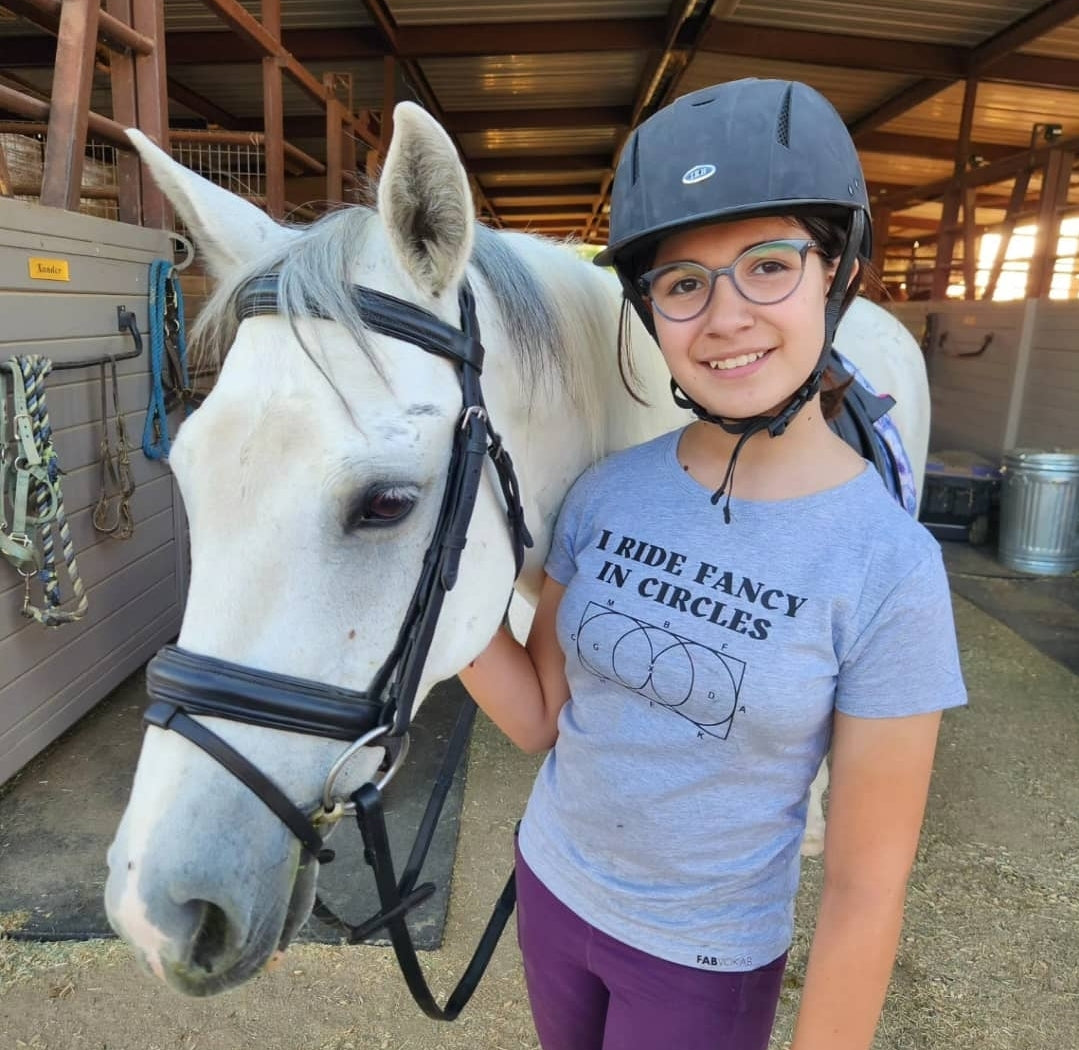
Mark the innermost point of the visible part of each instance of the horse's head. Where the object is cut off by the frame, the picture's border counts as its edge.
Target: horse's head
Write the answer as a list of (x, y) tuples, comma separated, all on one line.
[(313, 478)]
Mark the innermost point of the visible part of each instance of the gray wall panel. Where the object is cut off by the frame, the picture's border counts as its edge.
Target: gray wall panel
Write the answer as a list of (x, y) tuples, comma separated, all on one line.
[(48, 678), (31, 645), (1051, 399)]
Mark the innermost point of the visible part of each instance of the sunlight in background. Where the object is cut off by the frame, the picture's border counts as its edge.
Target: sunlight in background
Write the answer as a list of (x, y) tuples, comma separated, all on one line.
[(1012, 283)]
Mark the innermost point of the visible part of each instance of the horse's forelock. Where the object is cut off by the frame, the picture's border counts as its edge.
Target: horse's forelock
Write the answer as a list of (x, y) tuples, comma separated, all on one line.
[(315, 267)]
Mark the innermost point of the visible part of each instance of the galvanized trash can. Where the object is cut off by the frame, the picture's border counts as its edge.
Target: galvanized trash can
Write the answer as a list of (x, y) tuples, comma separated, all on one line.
[(1039, 511)]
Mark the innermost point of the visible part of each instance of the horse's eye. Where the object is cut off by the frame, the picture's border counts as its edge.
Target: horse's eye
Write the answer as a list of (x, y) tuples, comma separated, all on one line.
[(381, 505)]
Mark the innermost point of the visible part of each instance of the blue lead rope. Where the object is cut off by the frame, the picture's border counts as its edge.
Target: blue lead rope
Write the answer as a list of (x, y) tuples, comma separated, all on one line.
[(163, 284)]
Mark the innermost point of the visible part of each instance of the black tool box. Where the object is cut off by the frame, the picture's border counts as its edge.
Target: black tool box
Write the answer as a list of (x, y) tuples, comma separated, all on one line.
[(961, 497)]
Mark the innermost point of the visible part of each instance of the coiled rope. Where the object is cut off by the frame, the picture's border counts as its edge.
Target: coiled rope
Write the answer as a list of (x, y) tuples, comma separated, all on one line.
[(169, 378), (42, 488)]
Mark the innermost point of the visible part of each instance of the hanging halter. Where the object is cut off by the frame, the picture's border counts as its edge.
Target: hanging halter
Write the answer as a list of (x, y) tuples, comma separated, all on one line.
[(37, 502), (170, 380), (112, 512)]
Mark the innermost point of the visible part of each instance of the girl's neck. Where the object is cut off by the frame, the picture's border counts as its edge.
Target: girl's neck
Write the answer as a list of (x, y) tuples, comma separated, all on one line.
[(807, 458)]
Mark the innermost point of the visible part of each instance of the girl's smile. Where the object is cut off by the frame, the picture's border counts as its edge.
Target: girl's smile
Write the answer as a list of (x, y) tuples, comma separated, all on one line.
[(739, 358)]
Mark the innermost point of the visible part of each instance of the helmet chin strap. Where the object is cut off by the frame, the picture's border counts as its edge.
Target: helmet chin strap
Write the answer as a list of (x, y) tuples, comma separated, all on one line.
[(775, 425)]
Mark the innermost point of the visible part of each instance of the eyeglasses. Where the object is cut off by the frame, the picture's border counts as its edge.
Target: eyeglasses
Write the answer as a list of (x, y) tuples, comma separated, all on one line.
[(764, 274)]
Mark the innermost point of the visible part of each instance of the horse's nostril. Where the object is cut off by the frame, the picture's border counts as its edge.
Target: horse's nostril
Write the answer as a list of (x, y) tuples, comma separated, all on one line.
[(210, 942)]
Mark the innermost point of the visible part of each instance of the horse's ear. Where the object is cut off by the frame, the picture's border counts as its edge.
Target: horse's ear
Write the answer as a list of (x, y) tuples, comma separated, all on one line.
[(229, 230), (425, 202)]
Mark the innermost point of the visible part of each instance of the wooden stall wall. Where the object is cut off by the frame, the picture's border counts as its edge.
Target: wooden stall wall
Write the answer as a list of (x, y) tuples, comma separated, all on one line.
[(1050, 401), (136, 587), (974, 355)]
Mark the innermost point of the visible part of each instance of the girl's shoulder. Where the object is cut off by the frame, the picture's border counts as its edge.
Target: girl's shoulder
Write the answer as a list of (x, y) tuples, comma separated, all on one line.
[(648, 456)]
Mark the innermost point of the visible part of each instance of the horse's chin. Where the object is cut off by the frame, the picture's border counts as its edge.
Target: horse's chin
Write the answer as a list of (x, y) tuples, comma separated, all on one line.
[(300, 903), (258, 954)]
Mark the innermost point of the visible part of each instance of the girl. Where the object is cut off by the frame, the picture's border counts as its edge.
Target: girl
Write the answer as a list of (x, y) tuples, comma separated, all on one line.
[(702, 638)]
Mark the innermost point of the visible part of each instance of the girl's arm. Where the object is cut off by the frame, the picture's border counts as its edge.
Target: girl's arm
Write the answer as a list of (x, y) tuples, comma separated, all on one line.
[(522, 688), (880, 779)]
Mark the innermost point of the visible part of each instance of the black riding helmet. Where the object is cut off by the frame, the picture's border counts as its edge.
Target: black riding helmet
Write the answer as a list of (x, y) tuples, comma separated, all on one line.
[(738, 150)]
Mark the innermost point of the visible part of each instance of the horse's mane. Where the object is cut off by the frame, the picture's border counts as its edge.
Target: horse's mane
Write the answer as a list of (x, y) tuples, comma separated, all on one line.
[(314, 266)]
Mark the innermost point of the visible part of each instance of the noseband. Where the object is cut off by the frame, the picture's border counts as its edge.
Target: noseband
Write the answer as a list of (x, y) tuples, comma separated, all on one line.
[(182, 683)]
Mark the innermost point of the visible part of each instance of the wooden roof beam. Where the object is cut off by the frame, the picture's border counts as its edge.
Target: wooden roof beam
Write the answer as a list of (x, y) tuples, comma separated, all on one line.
[(464, 121), (251, 30), (570, 165), (682, 28), (938, 61), (503, 197), (203, 107), (1045, 19), (927, 146), (529, 38), (390, 32), (1049, 16), (931, 61), (899, 103), (580, 217), (999, 171), (110, 30)]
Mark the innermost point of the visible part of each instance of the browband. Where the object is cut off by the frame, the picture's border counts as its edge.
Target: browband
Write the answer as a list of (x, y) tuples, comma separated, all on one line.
[(381, 312)]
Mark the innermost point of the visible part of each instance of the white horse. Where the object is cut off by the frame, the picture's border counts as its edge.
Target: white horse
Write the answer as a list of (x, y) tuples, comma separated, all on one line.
[(312, 478)]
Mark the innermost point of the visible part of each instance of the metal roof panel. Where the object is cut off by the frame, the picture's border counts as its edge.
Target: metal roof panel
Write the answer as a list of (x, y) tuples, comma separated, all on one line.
[(194, 15), (437, 12), (539, 142), (1004, 113), (961, 22), (606, 78), (851, 91), (1060, 43)]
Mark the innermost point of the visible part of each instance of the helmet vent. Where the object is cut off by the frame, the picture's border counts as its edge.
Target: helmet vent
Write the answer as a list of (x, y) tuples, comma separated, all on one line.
[(634, 157), (783, 123)]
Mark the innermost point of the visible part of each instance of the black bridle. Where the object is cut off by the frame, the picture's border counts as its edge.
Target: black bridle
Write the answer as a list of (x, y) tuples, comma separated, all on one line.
[(183, 683)]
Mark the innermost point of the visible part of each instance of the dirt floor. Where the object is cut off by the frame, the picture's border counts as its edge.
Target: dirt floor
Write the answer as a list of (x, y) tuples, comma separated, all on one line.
[(989, 956)]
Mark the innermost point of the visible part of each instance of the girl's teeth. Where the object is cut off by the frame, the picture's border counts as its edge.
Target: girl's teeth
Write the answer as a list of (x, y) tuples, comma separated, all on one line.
[(736, 362)]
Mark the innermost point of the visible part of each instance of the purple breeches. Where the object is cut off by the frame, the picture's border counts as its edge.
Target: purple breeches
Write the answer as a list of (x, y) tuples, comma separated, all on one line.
[(589, 991)]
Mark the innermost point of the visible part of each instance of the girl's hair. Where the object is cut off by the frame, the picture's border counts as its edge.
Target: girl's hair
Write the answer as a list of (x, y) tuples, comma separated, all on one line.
[(829, 230)]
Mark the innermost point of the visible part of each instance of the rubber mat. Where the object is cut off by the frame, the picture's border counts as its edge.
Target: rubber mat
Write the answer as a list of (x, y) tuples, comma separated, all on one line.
[(59, 814)]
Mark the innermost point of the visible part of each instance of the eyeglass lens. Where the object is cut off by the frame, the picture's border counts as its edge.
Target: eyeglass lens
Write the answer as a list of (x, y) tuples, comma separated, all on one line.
[(763, 274)]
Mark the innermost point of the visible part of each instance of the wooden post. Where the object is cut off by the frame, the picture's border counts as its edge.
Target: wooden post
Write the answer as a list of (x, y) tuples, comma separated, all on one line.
[(69, 110), (882, 218), (5, 175), (1054, 189), (942, 268), (125, 111), (942, 271), (348, 133), (389, 99), (376, 157), (1015, 206), (335, 140), (273, 115), (152, 104), (970, 242)]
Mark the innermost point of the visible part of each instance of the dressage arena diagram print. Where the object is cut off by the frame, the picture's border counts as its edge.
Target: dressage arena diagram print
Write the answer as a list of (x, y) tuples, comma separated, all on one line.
[(692, 680)]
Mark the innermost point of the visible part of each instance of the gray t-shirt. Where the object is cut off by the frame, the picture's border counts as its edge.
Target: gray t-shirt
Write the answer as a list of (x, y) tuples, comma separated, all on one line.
[(704, 662)]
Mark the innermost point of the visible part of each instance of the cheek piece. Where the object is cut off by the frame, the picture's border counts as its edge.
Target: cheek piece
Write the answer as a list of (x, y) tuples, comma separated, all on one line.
[(777, 424)]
